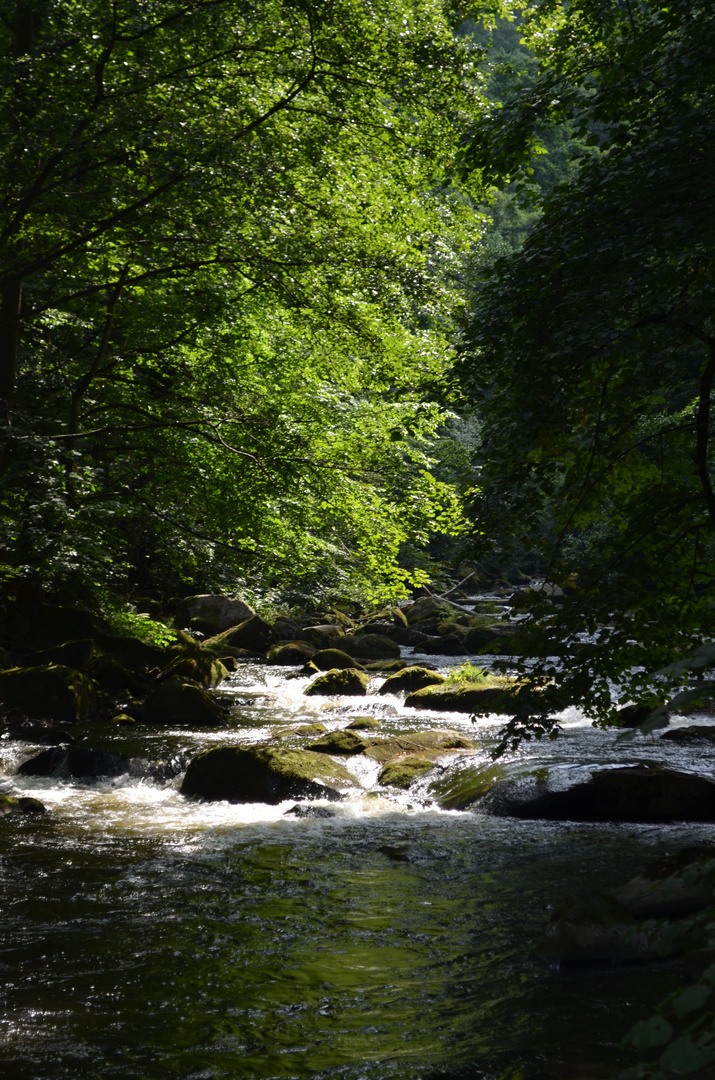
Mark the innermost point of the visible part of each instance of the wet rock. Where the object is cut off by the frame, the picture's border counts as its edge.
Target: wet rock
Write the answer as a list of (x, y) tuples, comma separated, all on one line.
[(328, 659), (177, 702), (55, 691), (254, 634), (264, 774), (386, 667), (597, 927), (411, 679), (44, 735), (287, 628), (291, 652), (123, 720), (461, 697), (348, 682), (339, 742), (661, 892), (312, 635), (403, 772), (198, 666), (211, 614), (370, 647), (692, 733), (632, 793), (301, 729), (363, 723), (310, 811), (12, 806), (75, 762), (449, 645), (427, 607), (384, 750), (461, 786)]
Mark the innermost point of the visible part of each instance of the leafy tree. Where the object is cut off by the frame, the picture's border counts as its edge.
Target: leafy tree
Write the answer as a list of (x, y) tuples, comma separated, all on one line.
[(591, 357), (219, 303)]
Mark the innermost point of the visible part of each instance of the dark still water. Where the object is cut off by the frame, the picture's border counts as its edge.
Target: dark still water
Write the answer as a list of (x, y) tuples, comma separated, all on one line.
[(147, 937)]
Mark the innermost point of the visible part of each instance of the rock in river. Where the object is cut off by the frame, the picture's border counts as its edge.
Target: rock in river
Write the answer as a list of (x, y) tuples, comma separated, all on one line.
[(411, 679), (177, 702), (65, 762), (464, 697), (346, 681), (265, 774)]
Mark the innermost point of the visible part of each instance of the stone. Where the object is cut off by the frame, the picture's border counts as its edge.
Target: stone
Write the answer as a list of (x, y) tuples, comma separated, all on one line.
[(75, 761), (212, 613), (12, 806), (61, 693), (348, 682), (461, 697), (264, 774), (177, 702), (40, 734), (136, 655), (630, 793), (383, 750), (254, 634), (370, 647), (290, 652), (339, 742), (462, 785), (197, 666), (287, 628), (427, 607), (310, 811), (498, 637), (597, 928), (449, 645), (301, 729), (692, 733), (114, 678), (660, 892), (405, 770), (410, 679), (123, 720), (328, 659), (363, 723)]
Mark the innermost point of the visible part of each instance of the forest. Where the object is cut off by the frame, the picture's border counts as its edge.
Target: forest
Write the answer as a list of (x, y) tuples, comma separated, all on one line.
[(374, 319)]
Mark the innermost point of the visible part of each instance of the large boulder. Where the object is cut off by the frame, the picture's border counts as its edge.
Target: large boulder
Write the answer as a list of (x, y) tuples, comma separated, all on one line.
[(291, 652), (383, 750), (211, 613), (15, 806), (198, 666), (449, 645), (426, 608), (690, 734), (327, 659), (348, 682), (177, 702), (339, 743), (54, 691), (264, 774), (461, 697), (632, 793), (403, 772), (369, 647), (254, 634), (65, 762), (411, 679)]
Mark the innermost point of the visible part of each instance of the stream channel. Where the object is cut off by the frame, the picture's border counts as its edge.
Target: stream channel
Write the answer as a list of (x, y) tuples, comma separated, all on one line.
[(150, 937)]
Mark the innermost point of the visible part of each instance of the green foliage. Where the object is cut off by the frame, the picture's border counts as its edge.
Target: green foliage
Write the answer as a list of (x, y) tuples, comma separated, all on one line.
[(468, 673), (230, 238), (591, 357)]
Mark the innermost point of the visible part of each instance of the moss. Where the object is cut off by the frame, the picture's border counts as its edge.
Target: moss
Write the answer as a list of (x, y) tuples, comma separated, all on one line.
[(466, 698), (339, 742), (11, 806), (461, 787), (345, 681), (328, 659), (290, 652), (403, 772), (410, 679), (264, 774), (363, 723), (385, 749)]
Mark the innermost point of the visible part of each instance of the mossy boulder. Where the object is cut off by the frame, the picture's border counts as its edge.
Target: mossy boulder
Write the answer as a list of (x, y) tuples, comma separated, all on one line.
[(197, 666), (461, 697), (254, 634), (428, 607), (53, 690), (177, 702), (300, 729), (77, 761), (363, 723), (329, 659), (348, 682), (405, 770), (113, 677), (449, 645), (212, 613), (692, 733), (370, 647), (339, 742), (461, 786), (264, 774), (291, 652), (410, 679), (439, 740), (15, 806)]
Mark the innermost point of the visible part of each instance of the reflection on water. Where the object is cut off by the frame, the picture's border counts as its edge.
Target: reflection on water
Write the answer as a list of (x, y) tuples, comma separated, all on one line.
[(146, 936)]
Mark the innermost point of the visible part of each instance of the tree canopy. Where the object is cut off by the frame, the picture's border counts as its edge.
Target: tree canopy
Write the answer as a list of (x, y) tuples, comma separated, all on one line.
[(225, 249), (590, 354)]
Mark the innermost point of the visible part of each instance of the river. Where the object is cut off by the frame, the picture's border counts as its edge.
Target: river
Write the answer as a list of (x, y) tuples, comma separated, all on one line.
[(149, 937)]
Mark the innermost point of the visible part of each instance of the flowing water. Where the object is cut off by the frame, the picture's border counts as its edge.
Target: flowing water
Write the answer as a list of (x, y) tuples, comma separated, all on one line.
[(146, 936)]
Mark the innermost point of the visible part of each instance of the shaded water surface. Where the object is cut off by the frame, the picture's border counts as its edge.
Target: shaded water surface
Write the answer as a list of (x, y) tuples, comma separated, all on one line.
[(146, 936)]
